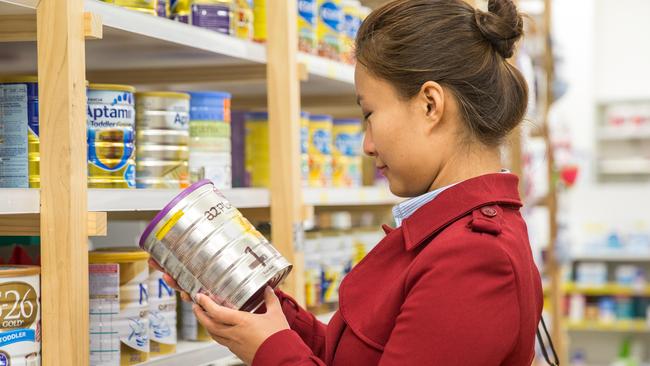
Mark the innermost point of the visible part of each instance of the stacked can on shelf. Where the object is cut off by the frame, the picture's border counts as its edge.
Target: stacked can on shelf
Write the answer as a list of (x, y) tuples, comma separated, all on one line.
[(346, 153), (111, 136), (119, 309), (162, 8), (259, 21), (162, 315), (243, 19), (352, 18), (20, 320), (210, 148), (163, 138), (19, 141), (307, 14), (328, 28), (215, 15), (257, 149), (320, 150), (304, 148)]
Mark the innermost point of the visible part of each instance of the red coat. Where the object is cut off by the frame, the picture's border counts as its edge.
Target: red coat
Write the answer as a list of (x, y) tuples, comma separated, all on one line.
[(455, 285)]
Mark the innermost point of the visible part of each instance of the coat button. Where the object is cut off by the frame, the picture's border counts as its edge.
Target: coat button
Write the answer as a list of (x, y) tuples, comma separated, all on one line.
[(489, 211)]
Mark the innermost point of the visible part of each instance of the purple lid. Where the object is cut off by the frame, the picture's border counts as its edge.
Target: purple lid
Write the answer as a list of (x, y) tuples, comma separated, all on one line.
[(347, 121), (320, 118), (168, 208)]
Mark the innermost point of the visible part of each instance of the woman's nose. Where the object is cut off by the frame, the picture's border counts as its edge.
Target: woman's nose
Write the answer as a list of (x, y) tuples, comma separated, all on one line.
[(369, 144)]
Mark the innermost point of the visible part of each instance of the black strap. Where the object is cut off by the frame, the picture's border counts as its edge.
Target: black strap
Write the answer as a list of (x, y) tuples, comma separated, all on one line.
[(543, 346)]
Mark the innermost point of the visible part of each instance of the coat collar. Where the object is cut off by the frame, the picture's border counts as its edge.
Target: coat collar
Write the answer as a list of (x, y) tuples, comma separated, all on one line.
[(458, 201)]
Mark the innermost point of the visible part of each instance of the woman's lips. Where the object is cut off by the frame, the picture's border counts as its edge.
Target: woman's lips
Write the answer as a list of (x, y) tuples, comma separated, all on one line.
[(382, 169)]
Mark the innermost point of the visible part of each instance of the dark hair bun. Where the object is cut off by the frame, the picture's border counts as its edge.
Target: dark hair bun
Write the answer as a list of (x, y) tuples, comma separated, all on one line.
[(502, 25)]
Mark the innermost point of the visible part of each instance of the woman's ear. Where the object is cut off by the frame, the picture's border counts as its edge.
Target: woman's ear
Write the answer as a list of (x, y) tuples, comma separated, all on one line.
[(432, 98)]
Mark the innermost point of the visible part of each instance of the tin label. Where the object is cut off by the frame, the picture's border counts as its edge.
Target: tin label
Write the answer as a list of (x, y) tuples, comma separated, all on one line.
[(20, 333), (307, 25), (14, 119), (213, 17), (215, 167), (162, 310), (104, 312)]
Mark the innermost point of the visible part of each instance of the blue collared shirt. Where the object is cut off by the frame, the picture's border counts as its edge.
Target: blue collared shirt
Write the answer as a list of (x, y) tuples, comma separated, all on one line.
[(408, 207)]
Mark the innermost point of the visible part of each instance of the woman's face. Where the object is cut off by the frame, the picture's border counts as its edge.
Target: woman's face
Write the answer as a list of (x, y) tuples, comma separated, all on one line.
[(408, 139)]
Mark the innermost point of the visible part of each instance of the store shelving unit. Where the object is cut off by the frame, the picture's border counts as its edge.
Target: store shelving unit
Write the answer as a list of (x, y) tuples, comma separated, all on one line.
[(191, 353), (623, 326), (70, 41), (609, 289)]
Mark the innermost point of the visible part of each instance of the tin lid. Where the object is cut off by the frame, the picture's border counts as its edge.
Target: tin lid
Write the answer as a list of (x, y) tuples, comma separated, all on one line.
[(18, 270), (169, 206), (320, 118), (304, 114), (163, 94), (118, 87), (117, 255), (19, 79), (347, 121)]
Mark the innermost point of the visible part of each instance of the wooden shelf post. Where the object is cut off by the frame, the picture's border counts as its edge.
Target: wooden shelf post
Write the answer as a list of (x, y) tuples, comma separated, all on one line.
[(64, 216), (284, 127)]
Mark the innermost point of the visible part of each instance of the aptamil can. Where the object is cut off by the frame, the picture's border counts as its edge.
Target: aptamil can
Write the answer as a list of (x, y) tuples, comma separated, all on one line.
[(119, 307), (19, 143), (162, 150), (257, 149), (307, 14), (162, 315), (259, 21), (111, 119), (328, 31), (351, 24), (346, 153), (208, 247), (304, 148), (145, 6), (20, 319), (210, 106), (320, 150)]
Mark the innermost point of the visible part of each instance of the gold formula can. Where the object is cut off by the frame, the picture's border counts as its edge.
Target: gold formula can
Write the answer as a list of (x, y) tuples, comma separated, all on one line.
[(119, 307), (111, 121), (20, 319)]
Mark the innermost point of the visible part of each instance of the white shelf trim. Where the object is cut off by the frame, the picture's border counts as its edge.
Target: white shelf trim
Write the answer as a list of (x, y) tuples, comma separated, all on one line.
[(191, 353), (327, 68)]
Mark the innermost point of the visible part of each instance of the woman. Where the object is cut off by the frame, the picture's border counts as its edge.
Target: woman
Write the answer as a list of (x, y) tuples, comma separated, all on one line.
[(454, 283)]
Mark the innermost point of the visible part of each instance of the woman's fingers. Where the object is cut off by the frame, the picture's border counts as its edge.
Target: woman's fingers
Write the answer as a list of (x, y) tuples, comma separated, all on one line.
[(155, 265), (185, 296), (213, 327), (220, 314), (171, 282), (271, 301)]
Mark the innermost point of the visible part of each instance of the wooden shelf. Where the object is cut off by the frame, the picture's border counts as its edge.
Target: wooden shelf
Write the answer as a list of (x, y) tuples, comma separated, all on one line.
[(610, 289), (191, 353), (632, 326)]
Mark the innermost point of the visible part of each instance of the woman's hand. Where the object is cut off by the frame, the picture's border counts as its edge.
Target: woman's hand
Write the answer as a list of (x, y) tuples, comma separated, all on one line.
[(242, 332), (170, 281)]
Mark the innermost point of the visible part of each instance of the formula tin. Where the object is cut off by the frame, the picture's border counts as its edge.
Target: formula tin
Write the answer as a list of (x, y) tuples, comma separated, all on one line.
[(208, 247), (147, 119), (19, 141), (328, 28), (257, 149), (162, 315), (163, 101), (307, 15), (164, 137), (351, 24), (320, 150), (144, 6), (209, 129), (176, 172), (20, 319), (243, 19), (211, 106), (259, 21), (215, 15), (191, 329), (217, 145), (162, 152), (162, 8), (111, 118), (304, 148), (119, 307), (214, 166), (346, 153)]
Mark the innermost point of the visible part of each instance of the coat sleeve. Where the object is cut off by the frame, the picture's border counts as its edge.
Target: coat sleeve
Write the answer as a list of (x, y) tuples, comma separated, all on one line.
[(461, 313), (302, 345)]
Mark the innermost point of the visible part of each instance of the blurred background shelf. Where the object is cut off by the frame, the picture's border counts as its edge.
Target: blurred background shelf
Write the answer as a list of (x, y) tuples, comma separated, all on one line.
[(192, 353), (632, 326)]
